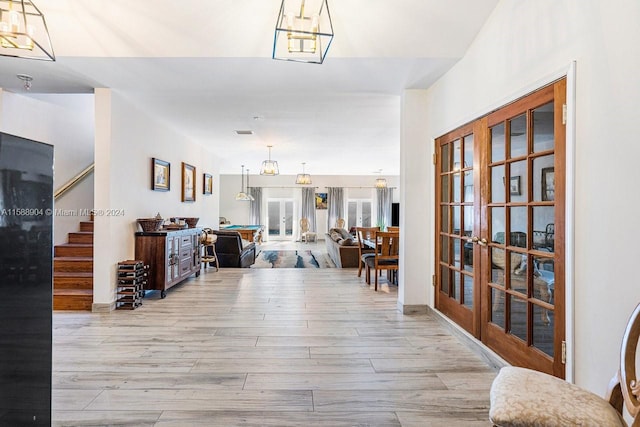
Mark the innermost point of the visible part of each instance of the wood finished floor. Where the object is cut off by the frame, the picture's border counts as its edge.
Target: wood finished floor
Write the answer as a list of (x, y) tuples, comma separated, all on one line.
[(266, 347)]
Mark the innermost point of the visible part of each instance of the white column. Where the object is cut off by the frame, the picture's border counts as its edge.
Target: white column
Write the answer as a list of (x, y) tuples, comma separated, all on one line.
[(103, 273), (416, 205)]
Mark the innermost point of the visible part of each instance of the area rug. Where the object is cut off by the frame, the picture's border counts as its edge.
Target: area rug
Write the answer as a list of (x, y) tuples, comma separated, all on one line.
[(293, 259)]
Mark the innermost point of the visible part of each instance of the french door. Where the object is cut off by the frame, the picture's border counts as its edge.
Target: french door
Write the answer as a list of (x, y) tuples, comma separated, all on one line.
[(280, 219), (500, 226), (359, 212)]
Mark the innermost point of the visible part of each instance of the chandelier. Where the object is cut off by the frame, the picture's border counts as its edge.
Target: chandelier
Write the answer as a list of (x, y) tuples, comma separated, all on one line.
[(269, 167), (381, 183), (303, 31), (23, 31), (303, 178)]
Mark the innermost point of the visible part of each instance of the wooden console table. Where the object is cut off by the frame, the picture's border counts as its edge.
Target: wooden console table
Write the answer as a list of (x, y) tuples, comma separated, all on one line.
[(172, 256)]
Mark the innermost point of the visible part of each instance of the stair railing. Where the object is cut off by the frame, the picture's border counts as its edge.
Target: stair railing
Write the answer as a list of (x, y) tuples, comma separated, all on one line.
[(74, 181)]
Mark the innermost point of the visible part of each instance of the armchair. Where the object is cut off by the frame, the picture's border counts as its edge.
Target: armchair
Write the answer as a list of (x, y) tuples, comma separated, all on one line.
[(232, 251)]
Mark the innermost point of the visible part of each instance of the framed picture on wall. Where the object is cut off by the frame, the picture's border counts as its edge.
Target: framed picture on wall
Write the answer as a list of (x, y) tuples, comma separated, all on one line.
[(514, 186), (188, 182), (548, 184), (160, 175), (321, 200), (207, 184)]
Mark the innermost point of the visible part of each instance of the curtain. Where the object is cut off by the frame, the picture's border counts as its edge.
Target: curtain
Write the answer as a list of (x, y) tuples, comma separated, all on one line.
[(384, 200), (335, 205), (309, 206), (255, 206)]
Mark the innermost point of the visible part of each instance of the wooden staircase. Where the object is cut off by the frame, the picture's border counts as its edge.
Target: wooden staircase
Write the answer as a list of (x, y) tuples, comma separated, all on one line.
[(73, 271)]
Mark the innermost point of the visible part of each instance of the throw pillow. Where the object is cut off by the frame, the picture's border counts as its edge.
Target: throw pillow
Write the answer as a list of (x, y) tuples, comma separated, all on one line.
[(335, 236)]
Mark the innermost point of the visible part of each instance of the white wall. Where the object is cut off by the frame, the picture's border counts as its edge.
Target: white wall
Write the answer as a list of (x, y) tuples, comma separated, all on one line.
[(238, 212), (126, 141), (523, 44), (67, 123)]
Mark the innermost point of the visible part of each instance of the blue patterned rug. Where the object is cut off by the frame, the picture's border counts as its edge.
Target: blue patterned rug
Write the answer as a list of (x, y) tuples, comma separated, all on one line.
[(293, 259)]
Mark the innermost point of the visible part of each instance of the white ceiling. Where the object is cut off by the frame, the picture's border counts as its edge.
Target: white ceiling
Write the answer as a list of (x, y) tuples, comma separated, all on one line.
[(204, 67)]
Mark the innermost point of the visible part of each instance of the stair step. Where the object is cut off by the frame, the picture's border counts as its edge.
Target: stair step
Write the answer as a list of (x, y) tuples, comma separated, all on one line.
[(72, 299), (86, 226), (72, 280), (78, 264), (73, 250), (81, 237)]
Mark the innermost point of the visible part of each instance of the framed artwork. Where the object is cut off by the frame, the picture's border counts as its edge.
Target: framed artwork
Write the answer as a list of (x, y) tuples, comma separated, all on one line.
[(321, 200), (514, 186), (160, 175), (548, 184), (188, 182), (207, 184)]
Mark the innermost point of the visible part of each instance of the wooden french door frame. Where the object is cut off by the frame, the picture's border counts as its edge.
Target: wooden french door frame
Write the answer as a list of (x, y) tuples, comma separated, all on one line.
[(518, 350)]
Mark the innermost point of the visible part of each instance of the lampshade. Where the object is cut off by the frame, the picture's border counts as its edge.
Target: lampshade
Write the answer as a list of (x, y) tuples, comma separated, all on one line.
[(23, 31), (269, 167), (242, 196), (381, 183), (303, 178), (303, 31)]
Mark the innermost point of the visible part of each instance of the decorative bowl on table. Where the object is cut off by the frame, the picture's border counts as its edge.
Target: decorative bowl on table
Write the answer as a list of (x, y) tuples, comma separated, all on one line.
[(150, 224), (191, 222)]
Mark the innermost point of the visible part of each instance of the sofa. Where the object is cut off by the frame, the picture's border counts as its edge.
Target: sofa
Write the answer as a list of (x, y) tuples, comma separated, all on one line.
[(232, 251), (342, 248)]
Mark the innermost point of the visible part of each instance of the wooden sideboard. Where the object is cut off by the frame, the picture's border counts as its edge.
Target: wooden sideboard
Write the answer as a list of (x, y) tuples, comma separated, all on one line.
[(172, 256)]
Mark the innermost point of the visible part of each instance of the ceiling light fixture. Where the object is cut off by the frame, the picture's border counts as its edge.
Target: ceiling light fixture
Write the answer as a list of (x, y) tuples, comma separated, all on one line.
[(251, 198), (381, 182), (303, 31), (26, 79), (242, 196), (303, 178), (269, 167), (23, 31)]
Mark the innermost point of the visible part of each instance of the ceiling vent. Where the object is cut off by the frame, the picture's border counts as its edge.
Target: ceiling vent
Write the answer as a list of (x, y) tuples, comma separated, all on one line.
[(244, 132)]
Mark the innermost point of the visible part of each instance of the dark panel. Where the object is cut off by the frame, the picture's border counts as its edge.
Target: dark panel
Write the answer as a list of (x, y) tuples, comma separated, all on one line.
[(26, 203), (395, 214)]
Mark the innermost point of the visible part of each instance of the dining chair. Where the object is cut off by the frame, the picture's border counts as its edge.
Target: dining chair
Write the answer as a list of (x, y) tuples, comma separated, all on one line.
[(364, 251), (305, 234), (393, 228), (524, 397), (386, 257)]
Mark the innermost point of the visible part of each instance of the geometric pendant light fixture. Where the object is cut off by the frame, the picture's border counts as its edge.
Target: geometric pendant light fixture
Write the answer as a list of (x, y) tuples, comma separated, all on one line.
[(269, 167), (381, 182), (303, 178), (251, 198), (304, 31), (23, 31)]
